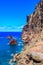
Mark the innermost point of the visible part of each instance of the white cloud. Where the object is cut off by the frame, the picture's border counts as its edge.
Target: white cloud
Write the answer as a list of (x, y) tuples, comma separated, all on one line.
[(11, 28), (2, 27)]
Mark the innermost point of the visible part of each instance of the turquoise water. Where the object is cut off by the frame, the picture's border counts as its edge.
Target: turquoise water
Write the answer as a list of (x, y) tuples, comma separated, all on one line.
[(7, 51)]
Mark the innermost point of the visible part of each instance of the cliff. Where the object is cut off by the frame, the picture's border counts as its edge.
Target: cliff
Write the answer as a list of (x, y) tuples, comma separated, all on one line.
[(34, 23), (32, 36)]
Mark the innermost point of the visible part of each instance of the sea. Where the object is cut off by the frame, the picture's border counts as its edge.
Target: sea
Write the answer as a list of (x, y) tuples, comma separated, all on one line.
[(8, 51)]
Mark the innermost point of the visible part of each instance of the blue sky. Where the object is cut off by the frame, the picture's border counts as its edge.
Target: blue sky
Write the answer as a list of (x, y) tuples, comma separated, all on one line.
[(13, 13)]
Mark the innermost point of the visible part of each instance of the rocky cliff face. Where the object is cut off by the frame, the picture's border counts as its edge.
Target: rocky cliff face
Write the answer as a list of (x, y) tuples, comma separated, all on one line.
[(34, 23), (33, 35)]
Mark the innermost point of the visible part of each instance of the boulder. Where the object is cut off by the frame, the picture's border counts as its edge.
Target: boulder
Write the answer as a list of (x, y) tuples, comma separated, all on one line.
[(37, 56)]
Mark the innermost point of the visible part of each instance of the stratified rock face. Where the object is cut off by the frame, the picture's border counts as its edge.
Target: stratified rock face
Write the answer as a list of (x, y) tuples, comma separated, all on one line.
[(34, 23), (32, 34)]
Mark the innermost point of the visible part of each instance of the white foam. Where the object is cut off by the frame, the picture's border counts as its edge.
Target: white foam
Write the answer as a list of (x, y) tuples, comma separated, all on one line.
[(12, 54), (19, 44)]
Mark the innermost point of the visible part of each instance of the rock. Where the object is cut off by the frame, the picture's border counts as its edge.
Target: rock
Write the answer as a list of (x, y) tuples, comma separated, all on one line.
[(25, 37), (16, 57), (37, 56), (38, 47), (33, 52), (30, 63), (13, 42), (32, 35), (34, 23)]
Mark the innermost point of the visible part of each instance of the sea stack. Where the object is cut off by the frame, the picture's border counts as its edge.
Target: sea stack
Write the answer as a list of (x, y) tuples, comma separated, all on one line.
[(12, 40)]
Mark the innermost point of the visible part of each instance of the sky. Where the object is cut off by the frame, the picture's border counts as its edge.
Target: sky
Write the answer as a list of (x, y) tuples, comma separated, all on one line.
[(13, 14)]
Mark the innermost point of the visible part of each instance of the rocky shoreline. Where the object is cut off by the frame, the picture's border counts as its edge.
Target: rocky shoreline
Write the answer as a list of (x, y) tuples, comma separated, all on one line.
[(32, 54), (32, 36)]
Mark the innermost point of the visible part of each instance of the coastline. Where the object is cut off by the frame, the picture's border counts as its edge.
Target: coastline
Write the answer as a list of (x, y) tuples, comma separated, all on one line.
[(32, 36), (31, 54)]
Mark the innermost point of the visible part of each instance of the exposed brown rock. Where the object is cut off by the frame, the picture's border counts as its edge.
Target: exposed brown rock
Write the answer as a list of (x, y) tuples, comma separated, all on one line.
[(33, 36), (34, 22), (13, 42), (37, 56), (32, 53)]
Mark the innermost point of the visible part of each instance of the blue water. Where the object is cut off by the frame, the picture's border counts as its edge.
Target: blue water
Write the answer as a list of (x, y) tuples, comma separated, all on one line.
[(7, 51)]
